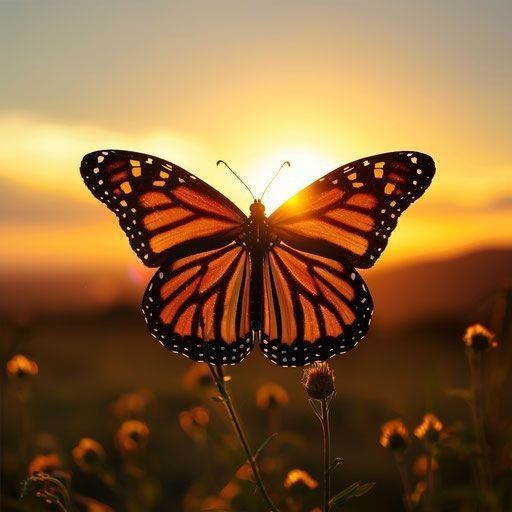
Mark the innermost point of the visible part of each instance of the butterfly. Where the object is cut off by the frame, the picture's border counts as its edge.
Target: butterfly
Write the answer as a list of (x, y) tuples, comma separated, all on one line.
[(227, 280)]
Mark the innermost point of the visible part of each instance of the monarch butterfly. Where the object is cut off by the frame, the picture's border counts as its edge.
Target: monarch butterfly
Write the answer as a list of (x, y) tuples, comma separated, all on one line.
[(288, 281)]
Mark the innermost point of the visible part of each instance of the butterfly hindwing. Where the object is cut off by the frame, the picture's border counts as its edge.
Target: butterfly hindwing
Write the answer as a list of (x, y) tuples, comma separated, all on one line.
[(198, 305), (350, 212), (313, 307), (164, 210)]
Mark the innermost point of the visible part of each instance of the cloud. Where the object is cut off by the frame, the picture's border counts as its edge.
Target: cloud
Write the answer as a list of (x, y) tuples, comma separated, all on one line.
[(500, 204), (22, 205), (45, 154)]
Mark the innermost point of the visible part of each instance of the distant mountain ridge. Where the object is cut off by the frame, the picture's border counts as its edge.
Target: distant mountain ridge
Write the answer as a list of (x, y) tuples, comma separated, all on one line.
[(444, 287), (405, 293)]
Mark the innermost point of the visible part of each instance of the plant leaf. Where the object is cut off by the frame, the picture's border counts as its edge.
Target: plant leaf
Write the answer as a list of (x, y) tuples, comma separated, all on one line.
[(352, 491)]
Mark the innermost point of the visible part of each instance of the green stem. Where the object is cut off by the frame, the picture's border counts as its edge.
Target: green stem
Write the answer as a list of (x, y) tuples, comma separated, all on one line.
[(218, 376), (324, 419)]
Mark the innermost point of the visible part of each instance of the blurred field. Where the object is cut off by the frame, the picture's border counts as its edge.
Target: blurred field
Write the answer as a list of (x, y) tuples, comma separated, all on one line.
[(86, 361)]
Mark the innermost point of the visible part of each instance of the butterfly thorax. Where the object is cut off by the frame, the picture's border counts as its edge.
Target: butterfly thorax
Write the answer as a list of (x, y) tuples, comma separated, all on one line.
[(256, 236)]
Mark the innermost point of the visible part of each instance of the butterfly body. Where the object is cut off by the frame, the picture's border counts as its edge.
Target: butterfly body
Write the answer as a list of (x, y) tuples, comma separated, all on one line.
[(226, 280), (257, 238)]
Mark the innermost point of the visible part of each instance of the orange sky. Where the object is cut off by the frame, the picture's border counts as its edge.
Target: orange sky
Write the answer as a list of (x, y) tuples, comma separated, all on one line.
[(316, 83)]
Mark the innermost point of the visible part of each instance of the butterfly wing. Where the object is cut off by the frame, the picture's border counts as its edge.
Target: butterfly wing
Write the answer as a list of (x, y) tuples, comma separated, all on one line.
[(352, 210), (313, 308), (198, 305), (163, 209)]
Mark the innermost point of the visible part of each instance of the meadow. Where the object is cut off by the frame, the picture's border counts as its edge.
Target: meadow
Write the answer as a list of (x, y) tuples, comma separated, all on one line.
[(98, 370)]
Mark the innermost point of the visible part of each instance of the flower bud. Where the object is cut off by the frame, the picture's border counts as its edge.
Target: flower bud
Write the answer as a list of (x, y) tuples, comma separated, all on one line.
[(299, 481), (88, 454), (198, 378), (479, 338), (132, 436), (394, 435), (20, 367), (271, 396), (429, 429), (318, 379)]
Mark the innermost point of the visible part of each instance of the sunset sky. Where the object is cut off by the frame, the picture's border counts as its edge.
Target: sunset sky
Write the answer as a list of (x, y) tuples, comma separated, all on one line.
[(319, 83)]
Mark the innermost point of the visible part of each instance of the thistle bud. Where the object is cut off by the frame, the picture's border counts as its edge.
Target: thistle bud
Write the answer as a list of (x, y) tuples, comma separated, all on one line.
[(429, 429), (318, 380), (22, 368), (299, 481), (394, 435), (88, 454), (479, 338), (198, 378), (271, 396), (132, 436)]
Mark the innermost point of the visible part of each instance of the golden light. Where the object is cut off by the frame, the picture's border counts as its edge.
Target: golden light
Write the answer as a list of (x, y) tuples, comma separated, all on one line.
[(307, 165)]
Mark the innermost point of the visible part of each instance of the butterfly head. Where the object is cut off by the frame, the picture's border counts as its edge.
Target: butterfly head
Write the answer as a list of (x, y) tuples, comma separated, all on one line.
[(257, 209)]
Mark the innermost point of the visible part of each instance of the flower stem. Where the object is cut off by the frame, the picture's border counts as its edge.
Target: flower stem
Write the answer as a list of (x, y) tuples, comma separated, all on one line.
[(430, 475), (475, 364), (405, 481), (218, 376), (324, 419)]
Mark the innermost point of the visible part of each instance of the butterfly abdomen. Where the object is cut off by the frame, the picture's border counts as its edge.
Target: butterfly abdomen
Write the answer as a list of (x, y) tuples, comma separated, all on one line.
[(256, 291)]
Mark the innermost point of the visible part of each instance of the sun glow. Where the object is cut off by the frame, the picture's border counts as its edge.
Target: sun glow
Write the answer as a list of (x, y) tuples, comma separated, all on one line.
[(307, 165)]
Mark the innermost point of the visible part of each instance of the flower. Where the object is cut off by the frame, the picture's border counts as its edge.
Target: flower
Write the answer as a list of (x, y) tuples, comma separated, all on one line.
[(88, 454), (20, 367), (479, 338), (133, 405), (44, 464), (429, 429), (419, 468), (198, 377), (299, 480), (270, 396), (394, 435), (194, 421), (318, 379), (132, 436)]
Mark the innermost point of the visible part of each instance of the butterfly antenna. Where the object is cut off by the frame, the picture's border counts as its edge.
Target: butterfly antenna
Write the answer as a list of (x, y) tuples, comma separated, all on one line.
[(274, 177), (238, 177)]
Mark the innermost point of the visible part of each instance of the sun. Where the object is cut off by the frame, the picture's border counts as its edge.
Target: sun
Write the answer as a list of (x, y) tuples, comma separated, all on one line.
[(307, 165)]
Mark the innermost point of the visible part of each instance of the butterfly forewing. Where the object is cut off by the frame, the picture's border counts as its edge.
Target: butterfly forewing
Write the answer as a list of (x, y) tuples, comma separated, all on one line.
[(350, 212), (164, 210), (198, 305), (313, 308)]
